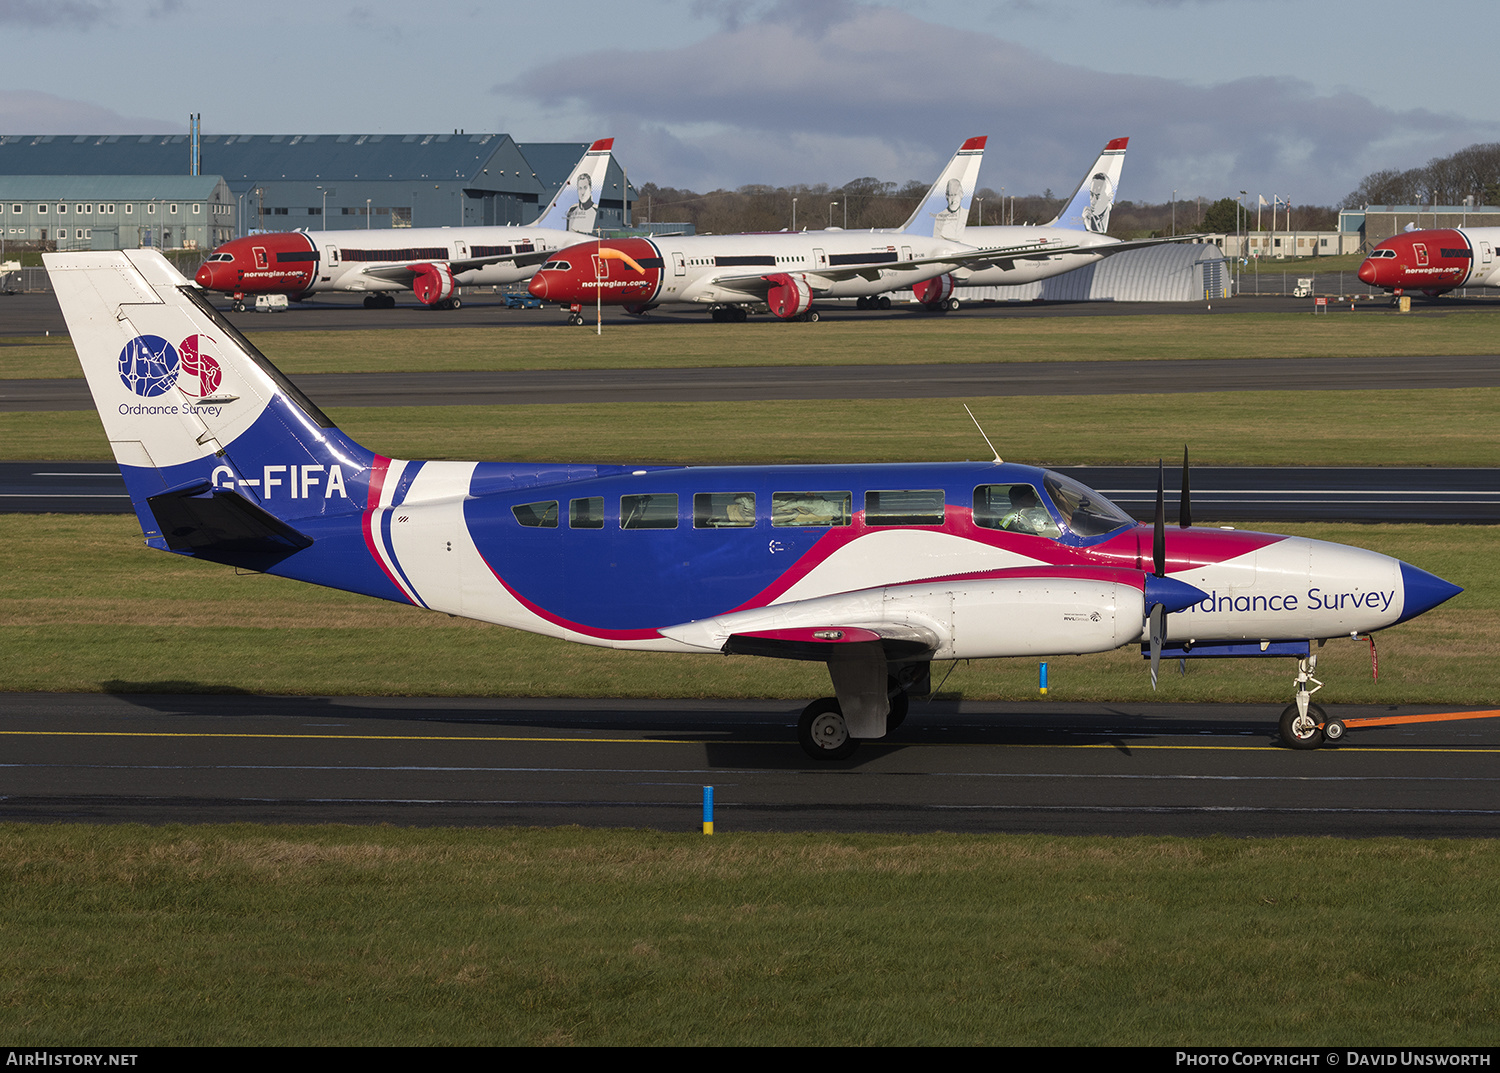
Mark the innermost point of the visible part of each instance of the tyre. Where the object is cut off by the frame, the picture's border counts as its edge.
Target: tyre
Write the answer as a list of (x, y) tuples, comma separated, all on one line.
[(1334, 731), (885, 303), (1301, 732), (822, 732)]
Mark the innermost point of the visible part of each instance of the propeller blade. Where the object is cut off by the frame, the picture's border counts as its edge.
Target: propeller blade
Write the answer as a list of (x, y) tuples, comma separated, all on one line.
[(1185, 504), (1158, 635), (1159, 536)]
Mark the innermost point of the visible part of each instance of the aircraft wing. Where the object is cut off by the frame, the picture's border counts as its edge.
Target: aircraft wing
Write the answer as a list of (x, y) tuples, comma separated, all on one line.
[(405, 272), (1143, 243), (821, 279)]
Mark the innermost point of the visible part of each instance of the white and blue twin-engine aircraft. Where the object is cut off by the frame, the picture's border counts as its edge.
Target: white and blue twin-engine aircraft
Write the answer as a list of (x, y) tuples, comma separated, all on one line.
[(874, 569)]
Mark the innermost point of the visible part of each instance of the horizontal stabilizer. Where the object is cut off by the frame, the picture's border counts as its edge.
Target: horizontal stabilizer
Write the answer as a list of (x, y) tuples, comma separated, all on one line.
[(220, 524)]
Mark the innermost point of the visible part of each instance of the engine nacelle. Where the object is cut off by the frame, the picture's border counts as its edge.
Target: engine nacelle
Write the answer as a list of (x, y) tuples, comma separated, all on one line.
[(789, 295), (433, 283), (934, 292)]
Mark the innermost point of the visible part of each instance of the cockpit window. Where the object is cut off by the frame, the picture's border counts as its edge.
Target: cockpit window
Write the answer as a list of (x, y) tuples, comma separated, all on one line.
[(1382, 253), (1015, 508), (556, 266), (1083, 510)]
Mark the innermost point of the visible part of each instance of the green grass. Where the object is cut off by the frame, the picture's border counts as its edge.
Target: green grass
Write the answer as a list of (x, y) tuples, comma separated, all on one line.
[(172, 936), (899, 341), (86, 607), (1454, 427)]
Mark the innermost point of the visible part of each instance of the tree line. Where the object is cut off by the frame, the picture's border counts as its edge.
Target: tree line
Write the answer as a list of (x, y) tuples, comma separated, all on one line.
[(1473, 172)]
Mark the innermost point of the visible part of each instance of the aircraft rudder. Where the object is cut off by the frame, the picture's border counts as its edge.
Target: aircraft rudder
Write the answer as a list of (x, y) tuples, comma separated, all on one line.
[(575, 205), (944, 212), (1089, 207), (187, 401)]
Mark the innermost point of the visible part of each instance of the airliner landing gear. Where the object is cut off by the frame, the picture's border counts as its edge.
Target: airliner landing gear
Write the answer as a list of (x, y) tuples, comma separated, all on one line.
[(380, 301), (575, 315), (729, 314), (1304, 725)]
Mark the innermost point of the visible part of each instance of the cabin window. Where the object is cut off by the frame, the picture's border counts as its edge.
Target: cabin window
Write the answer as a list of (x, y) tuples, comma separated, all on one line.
[(904, 506), (537, 515), (658, 511), (723, 510), (1015, 508), (586, 513), (806, 510)]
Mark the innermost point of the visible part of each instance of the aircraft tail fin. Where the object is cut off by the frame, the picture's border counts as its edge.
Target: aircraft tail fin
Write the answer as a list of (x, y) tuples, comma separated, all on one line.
[(575, 206), (947, 203), (222, 455), (1088, 209)]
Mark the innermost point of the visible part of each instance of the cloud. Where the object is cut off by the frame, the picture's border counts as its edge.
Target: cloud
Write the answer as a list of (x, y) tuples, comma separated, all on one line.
[(31, 112), (83, 13), (828, 91)]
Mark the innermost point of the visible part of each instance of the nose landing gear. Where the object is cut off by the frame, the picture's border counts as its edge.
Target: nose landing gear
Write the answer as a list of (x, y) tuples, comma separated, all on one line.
[(1305, 725)]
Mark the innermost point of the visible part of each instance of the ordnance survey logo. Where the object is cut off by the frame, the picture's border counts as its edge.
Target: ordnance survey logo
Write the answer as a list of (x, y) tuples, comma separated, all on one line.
[(151, 366)]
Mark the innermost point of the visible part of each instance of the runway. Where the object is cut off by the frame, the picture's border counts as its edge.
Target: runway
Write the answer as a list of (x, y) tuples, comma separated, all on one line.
[(1055, 768), (746, 384)]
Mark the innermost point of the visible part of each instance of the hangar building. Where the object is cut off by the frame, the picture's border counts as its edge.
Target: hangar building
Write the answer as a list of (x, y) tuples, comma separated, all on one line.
[(281, 182), (1182, 272)]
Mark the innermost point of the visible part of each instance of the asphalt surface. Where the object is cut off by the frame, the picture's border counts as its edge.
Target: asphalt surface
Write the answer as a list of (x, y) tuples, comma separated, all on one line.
[(38, 313), (1222, 494), (1054, 768)]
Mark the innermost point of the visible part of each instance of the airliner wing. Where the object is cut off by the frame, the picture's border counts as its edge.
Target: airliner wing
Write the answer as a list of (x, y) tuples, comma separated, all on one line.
[(821, 278), (407, 271)]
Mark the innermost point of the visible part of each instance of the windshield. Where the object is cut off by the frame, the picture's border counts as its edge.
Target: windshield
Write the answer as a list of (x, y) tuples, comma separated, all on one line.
[(1083, 510)]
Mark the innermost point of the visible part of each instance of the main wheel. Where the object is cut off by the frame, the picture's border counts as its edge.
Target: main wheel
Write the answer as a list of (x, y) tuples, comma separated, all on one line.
[(1302, 731), (823, 733), (885, 303)]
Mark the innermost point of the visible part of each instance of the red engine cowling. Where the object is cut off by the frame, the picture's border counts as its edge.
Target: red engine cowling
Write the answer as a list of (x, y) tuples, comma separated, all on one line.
[(934, 292), (433, 283), (789, 295)]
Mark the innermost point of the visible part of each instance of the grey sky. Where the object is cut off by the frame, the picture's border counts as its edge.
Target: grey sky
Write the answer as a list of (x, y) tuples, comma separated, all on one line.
[(1300, 99)]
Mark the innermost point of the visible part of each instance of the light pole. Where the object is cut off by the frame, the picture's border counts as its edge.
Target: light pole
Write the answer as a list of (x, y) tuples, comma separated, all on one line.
[(831, 204), (367, 212), (794, 215), (981, 210), (1174, 213), (323, 213)]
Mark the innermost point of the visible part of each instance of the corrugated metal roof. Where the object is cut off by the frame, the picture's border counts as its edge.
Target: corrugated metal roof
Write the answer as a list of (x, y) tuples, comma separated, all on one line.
[(262, 157), (118, 187), (1169, 273)]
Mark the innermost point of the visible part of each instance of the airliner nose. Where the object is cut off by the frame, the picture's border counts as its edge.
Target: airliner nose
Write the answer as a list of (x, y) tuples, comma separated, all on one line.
[(1367, 272), (538, 284), (205, 277), (1424, 591)]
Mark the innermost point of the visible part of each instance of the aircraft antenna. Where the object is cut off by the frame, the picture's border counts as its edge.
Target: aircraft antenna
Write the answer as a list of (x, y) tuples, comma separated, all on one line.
[(987, 442)]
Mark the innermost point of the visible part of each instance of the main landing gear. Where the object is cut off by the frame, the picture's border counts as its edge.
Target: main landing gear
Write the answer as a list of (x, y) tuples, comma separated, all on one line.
[(380, 301), (824, 734), (879, 302)]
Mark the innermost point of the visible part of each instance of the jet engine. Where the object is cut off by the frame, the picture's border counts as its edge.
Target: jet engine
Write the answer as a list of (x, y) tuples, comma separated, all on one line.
[(934, 293), (789, 296), (433, 283)]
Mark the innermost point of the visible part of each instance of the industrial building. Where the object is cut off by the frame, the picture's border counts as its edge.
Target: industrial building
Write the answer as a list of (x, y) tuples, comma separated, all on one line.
[(113, 212), (282, 182)]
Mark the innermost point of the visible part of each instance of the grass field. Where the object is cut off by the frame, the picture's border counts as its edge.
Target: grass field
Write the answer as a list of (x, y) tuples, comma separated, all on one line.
[(378, 936), (898, 341), (1455, 427), (86, 607)]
